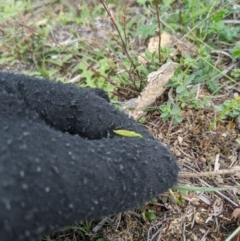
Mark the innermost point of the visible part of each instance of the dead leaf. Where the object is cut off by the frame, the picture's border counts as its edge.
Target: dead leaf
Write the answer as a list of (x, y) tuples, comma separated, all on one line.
[(182, 46), (155, 88), (236, 213)]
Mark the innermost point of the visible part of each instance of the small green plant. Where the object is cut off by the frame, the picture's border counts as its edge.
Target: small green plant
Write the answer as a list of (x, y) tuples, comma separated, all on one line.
[(171, 110), (236, 52), (235, 73), (148, 213), (228, 108), (84, 227), (12, 9), (179, 200), (147, 31), (185, 97)]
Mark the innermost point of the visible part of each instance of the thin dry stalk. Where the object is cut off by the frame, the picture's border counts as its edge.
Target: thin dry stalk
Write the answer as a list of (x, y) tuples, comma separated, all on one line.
[(207, 174), (159, 30), (124, 42)]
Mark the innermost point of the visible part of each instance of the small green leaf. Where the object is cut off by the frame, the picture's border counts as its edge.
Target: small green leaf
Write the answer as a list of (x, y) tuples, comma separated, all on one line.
[(150, 215), (164, 199), (179, 89), (236, 51), (142, 119), (184, 192), (127, 133), (178, 119)]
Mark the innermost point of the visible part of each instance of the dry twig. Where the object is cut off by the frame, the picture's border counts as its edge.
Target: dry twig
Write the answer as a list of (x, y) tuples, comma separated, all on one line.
[(207, 174)]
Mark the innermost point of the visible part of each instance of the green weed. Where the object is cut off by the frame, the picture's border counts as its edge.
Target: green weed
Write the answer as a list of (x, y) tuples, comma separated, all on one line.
[(113, 65), (85, 228), (228, 108)]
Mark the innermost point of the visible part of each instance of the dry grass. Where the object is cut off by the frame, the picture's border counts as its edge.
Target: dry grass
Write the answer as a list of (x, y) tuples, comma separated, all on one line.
[(203, 215)]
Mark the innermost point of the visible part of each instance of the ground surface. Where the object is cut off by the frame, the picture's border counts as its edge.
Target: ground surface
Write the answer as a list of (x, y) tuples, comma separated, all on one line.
[(199, 215)]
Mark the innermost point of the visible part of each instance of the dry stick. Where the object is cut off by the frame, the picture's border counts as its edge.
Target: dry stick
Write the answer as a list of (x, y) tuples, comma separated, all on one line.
[(206, 174), (124, 30), (232, 21), (218, 192), (56, 42)]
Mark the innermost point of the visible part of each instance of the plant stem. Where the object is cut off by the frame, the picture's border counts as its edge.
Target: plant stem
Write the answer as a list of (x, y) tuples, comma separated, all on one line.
[(159, 30), (124, 42)]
